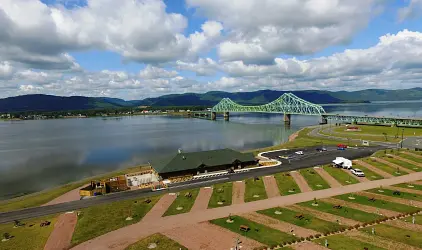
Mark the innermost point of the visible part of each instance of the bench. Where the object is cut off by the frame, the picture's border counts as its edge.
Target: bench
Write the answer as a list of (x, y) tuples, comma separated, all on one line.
[(299, 216), (337, 207), (244, 228)]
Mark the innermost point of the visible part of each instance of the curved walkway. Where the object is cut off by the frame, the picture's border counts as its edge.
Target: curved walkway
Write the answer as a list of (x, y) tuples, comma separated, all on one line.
[(62, 233), (123, 237)]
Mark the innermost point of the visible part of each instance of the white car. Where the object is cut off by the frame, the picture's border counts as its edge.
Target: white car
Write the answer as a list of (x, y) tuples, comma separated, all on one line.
[(299, 152), (358, 172)]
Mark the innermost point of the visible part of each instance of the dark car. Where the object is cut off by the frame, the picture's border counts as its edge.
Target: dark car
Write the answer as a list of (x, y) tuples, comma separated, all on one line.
[(321, 149)]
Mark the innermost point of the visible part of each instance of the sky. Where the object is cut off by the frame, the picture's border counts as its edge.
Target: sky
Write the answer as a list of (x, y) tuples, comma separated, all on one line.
[(135, 49)]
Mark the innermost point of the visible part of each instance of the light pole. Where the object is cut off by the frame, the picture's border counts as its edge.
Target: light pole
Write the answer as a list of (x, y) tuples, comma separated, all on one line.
[(401, 142)]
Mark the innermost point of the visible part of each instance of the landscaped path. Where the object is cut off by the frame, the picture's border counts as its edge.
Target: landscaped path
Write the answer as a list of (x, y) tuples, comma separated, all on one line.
[(279, 225), (160, 207), (271, 186), (60, 238), (374, 169), (238, 192), (301, 182), (207, 236), (324, 216), (72, 195), (364, 208), (201, 202), (306, 245), (406, 160), (327, 177), (360, 179), (123, 237), (405, 225), (395, 166)]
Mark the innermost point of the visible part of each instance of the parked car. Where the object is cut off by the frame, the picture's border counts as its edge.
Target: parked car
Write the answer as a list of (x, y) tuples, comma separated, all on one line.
[(321, 149), (284, 157), (299, 152), (358, 172)]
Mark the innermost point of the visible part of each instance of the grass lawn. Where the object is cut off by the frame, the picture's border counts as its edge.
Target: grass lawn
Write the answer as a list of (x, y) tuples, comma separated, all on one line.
[(255, 188), (162, 243), (182, 201), (403, 195), (379, 130), (309, 221), (368, 173), (40, 198), (364, 200), (340, 175), (314, 180), (258, 232), (25, 237), (402, 163), (340, 132), (222, 192), (418, 219), (396, 234), (286, 184), (409, 186), (383, 167), (98, 220), (302, 140), (341, 242), (409, 157), (345, 212)]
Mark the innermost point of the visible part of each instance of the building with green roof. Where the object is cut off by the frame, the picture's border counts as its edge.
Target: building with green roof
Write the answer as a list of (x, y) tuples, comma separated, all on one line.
[(194, 163)]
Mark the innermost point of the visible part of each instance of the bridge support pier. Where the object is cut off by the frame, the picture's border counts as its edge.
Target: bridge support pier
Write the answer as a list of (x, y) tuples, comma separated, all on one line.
[(226, 116), (324, 120), (287, 119), (213, 116)]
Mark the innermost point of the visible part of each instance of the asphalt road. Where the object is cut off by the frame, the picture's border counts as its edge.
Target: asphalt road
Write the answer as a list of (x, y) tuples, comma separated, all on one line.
[(310, 158)]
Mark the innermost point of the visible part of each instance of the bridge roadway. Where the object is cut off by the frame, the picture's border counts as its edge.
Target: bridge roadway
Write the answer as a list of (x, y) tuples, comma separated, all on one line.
[(310, 159)]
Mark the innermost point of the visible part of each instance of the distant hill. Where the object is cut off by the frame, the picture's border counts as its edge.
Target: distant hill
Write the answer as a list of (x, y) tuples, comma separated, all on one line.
[(59, 103)]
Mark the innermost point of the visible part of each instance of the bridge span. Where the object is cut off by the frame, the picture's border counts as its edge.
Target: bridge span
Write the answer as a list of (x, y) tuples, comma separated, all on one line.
[(289, 104)]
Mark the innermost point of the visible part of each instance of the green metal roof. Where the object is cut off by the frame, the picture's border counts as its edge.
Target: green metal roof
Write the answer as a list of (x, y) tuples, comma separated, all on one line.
[(194, 160)]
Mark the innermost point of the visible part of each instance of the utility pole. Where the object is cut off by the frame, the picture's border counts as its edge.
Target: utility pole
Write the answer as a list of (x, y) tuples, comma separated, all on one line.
[(401, 142), (237, 244)]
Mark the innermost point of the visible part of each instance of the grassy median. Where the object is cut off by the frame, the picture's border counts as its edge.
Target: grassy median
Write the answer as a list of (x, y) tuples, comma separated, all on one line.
[(222, 193), (383, 167), (412, 238), (28, 237), (403, 164), (286, 184), (314, 180), (402, 195), (342, 177), (183, 202), (258, 232), (307, 221), (156, 242), (255, 189), (409, 186), (345, 243), (344, 211), (101, 219)]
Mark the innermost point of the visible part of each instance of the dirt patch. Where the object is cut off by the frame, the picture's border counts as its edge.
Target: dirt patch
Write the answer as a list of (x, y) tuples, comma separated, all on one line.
[(301, 182), (279, 225), (61, 236), (327, 177), (360, 179), (206, 236), (374, 169), (325, 216), (395, 166), (238, 192), (67, 197), (308, 245), (361, 207), (160, 207), (392, 199), (406, 225), (201, 202), (378, 241), (271, 186), (293, 136)]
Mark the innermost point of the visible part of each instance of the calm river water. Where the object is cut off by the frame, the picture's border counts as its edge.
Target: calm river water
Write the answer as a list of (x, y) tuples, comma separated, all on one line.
[(40, 154)]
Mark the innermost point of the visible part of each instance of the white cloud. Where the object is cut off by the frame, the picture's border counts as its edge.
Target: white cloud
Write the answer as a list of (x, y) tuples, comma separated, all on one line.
[(151, 72), (203, 67), (262, 29), (414, 9), (6, 70)]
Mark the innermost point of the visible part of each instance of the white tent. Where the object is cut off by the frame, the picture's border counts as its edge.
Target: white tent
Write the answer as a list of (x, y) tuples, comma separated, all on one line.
[(343, 162)]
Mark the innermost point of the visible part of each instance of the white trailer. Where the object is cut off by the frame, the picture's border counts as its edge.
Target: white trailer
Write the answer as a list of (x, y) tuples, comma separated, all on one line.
[(341, 162)]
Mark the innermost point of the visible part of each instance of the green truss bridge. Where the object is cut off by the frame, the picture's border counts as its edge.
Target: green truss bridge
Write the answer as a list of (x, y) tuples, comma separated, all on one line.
[(289, 104)]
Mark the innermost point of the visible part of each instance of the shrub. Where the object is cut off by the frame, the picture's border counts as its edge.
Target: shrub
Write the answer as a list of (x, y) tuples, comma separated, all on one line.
[(308, 238), (302, 239)]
